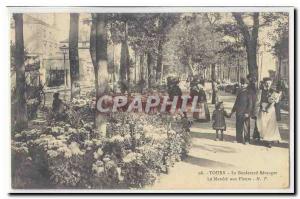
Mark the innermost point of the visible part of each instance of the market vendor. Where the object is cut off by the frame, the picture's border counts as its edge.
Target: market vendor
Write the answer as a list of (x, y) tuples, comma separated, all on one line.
[(198, 90), (58, 107)]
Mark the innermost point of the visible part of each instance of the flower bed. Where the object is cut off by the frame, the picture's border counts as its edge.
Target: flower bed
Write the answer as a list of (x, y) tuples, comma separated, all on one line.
[(138, 147)]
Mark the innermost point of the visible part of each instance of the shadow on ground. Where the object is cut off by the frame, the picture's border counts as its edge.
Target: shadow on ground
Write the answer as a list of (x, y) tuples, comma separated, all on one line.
[(274, 144), (215, 148), (202, 162), (212, 136)]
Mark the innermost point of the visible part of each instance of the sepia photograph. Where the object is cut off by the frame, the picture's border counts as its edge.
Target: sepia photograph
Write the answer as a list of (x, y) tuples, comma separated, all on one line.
[(152, 99)]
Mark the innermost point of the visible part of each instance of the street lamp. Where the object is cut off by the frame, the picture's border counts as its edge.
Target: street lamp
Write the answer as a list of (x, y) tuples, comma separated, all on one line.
[(64, 49)]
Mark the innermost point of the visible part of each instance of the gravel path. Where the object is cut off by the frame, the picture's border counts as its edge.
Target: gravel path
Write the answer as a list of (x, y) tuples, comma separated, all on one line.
[(217, 164)]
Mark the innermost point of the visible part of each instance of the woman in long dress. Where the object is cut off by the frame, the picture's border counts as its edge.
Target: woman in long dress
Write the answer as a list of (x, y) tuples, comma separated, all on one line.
[(203, 115), (266, 115)]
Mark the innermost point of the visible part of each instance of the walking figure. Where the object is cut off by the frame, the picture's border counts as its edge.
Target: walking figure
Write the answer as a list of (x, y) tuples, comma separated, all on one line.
[(218, 118), (242, 107)]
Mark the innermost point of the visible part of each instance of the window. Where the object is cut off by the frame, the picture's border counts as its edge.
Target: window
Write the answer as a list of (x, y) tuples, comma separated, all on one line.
[(56, 78)]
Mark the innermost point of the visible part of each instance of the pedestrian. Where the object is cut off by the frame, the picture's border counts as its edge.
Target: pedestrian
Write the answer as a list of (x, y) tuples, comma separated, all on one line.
[(266, 115), (242, 107), (76, 89), (203, 115), (174, 91), (141, 85), (58, 108), (279, 89), (218, 119)]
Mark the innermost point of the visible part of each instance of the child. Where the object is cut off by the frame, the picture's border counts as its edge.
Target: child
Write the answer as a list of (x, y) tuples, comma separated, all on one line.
[(218, 118)]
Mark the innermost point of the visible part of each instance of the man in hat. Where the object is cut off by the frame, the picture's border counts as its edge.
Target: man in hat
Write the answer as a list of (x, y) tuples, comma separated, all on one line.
[(242, 107)]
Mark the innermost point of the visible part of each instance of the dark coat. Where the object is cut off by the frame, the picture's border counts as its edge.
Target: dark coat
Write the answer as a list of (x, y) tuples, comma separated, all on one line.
[(202, 101), (57, 105), (252, 91), (218, 118), (202, 96), (195, 91), (243, 103)]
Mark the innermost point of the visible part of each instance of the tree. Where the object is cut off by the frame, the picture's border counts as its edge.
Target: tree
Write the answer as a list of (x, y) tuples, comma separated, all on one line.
[(232, 48), (280, 48), (165, 22), (12, 56), (142, 37), (124, 60), (98, 51), (119, 34), (233, 51), (212, 19), (250, 31), (73, 49), (250, 40), (21, 116), (193, 45)]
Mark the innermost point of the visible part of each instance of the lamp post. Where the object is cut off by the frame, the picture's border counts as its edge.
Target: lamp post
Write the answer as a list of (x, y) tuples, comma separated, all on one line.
[(64, 49)]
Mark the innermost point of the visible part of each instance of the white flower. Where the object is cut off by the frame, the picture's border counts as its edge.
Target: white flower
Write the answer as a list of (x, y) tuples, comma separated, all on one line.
[(106, 159), (98, 167), (88, 143), (131, 157), (52, 153), (68, 154), (63, 149), (75, 150), (117, 139), (137, 136), (98, 153)]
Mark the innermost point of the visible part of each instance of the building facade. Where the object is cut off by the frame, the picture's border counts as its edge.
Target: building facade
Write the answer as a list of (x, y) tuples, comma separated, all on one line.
[(40, 40)]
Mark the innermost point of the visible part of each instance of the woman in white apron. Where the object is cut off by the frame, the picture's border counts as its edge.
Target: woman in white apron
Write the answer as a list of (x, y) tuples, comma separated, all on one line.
[(266, 115)]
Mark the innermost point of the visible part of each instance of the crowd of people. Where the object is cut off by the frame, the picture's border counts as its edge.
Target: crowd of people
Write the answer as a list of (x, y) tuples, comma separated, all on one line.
[(259, 104)]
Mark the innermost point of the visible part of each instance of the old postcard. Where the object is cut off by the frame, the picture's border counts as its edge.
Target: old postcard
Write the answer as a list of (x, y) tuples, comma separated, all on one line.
[(152, 99)]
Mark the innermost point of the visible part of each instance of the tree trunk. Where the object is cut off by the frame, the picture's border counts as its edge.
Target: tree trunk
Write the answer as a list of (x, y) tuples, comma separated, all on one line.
[(21, 115), (250, 41), (73, 50), (124, 61), (159, 61), (279, 68), (189, 64), (149, 62), (213, 83), (124, 64), (252, 59), (238, 71), (135, 67), (98, 49), (93, 50), (114, 68), (142, 66)]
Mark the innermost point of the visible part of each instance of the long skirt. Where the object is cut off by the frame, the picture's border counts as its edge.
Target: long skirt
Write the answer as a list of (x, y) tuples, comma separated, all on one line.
[(203, 115), (267, 125)]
